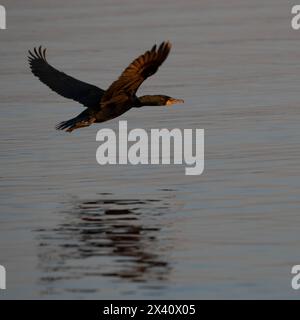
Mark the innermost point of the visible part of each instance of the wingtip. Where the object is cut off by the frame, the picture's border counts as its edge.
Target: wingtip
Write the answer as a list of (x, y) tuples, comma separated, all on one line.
[(168, 45), (37, 53), (163, 45)]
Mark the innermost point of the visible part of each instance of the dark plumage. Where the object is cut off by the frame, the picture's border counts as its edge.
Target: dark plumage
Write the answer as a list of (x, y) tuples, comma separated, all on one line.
[(103, 105)]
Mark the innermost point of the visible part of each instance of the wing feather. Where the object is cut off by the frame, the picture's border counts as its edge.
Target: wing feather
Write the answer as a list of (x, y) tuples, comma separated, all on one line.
[(63, 84), (138, 71)]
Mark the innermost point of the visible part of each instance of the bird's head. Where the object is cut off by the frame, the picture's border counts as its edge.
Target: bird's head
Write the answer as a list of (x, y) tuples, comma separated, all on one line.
[(168, 101), (159, 100)]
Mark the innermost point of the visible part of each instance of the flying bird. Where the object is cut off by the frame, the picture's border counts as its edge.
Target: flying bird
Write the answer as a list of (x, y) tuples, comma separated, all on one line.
[(102, 105)]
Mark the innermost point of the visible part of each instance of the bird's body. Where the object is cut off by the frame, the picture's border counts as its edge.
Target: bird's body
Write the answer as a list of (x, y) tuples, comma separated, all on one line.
[(103, 105)]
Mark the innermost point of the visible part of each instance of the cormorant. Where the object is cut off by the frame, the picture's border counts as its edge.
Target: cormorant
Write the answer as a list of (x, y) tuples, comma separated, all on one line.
[(103, 105)]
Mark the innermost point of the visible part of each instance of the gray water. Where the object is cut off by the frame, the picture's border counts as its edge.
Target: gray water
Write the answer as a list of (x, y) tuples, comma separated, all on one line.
[(70, 228)]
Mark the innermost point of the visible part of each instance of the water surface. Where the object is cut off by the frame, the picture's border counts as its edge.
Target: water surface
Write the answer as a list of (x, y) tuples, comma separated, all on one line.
[(70, 228)]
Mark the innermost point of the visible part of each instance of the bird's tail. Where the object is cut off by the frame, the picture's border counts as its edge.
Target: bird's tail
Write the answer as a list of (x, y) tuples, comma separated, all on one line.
[(82, 120)]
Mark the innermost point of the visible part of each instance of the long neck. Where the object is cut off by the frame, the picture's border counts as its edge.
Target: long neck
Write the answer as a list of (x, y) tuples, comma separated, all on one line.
[(150, 100)]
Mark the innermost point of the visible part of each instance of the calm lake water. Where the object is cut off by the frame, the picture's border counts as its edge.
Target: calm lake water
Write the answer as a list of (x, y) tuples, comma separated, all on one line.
[(70, 228)]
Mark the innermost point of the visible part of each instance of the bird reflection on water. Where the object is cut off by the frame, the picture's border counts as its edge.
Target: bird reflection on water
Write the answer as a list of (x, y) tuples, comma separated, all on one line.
[(116, 238)]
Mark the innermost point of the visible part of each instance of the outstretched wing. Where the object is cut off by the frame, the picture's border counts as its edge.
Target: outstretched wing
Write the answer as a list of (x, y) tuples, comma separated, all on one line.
[(138, 71), (67, 86)]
